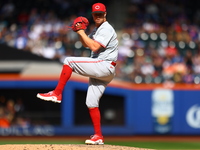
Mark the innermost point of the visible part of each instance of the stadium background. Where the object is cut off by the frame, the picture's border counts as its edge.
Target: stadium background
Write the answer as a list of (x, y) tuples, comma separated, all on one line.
[(156, 89)]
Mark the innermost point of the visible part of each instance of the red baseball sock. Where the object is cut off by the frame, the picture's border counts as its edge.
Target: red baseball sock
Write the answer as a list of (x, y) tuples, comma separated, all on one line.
[(64, 77), (96, 120)]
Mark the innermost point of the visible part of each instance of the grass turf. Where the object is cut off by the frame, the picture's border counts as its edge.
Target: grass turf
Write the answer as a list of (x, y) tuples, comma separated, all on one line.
[(161, 145)]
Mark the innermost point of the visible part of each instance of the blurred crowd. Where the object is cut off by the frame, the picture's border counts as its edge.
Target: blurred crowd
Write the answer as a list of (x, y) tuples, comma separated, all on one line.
[(41, 26), (158, 43), (11, 113)]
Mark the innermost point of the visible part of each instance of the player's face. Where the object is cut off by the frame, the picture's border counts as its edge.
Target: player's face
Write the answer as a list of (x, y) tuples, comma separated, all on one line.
[(99, 18)]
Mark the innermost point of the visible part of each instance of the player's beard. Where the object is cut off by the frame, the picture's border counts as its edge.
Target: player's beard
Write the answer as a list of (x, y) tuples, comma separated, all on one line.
[(99, 21)]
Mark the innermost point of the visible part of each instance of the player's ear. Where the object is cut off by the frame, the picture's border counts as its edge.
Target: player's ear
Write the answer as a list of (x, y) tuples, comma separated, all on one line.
[(105, 14)]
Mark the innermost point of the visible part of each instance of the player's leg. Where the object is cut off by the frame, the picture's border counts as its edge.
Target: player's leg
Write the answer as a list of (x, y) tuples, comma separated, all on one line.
[(79, 64), (64, 77), (82, 65), (100, 73), (56, 95), (91, 67), (95, 91)]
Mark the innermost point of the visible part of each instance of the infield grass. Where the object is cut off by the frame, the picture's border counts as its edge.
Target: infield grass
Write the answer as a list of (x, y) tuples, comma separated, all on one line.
[(161, 145)]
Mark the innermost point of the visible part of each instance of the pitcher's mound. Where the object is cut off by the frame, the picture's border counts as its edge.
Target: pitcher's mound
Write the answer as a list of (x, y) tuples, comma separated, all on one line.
[(65, 147)]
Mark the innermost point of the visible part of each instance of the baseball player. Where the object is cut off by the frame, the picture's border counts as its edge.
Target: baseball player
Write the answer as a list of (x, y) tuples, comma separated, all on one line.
[(100, 67)]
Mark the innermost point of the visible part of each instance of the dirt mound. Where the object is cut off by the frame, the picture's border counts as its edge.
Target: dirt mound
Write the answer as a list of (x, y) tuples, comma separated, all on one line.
[(65, 147)]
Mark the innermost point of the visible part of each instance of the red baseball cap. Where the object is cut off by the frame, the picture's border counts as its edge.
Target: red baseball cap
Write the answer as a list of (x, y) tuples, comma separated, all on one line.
[(98, 8)]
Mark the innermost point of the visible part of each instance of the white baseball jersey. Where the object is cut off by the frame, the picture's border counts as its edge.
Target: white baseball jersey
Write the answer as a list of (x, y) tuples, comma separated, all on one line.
[(107, 37), (99, 67)]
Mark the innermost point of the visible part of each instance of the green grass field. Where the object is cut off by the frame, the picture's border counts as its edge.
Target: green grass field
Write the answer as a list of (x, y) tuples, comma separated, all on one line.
[(140, 144), (161, 145)]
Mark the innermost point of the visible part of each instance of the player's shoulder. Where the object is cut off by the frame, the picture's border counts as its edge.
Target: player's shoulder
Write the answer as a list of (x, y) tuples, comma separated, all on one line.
[(107, 25)]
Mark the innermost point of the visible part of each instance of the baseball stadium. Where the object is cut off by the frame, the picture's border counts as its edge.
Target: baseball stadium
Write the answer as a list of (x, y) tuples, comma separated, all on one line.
[(147, 99)]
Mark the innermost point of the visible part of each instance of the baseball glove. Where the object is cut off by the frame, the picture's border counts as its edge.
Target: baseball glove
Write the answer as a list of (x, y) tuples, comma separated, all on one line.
[(80, 23)]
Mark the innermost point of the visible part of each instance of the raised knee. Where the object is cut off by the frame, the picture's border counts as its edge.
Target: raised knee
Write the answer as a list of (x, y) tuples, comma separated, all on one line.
[(67, 60)]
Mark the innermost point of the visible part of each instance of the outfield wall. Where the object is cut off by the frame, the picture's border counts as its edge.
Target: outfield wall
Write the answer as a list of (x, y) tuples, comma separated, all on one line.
[(127, 109)]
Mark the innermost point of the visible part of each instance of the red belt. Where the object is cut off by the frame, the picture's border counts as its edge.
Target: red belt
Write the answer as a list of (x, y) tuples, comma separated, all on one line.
[(113, 63)]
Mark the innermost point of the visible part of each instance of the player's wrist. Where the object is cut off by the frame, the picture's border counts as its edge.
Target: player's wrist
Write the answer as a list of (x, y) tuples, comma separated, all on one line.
[(81, 31)]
